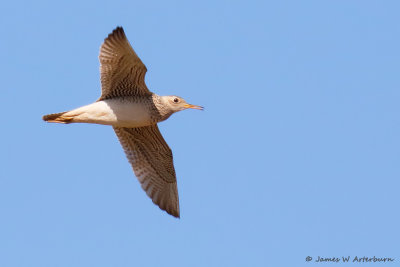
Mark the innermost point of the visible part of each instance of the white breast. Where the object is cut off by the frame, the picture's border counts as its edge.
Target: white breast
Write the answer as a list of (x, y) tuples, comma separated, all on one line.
[(115, 112)]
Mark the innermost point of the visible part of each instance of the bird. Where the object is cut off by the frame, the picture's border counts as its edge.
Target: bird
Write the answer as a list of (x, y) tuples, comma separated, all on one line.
[(134, 112)]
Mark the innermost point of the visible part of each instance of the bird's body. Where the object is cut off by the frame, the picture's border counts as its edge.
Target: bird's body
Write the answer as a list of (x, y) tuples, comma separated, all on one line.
[(133, 111), (118, 112)]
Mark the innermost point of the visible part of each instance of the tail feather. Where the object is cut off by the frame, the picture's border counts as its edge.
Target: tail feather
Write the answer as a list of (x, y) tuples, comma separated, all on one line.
[(57, 117)]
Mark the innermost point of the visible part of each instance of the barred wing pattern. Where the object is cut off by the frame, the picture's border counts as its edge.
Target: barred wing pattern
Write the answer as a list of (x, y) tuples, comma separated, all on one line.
[(122, 72), (152, 161)]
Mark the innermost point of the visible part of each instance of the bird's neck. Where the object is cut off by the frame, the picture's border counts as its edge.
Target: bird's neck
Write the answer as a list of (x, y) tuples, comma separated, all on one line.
[(163, 112)]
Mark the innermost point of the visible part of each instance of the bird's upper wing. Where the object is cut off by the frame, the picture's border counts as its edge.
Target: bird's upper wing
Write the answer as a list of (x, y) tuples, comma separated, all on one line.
[(152, 162), (122, 72)]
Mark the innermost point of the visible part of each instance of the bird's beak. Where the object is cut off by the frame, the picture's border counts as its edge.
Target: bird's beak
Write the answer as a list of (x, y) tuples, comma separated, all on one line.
[(193, 106)]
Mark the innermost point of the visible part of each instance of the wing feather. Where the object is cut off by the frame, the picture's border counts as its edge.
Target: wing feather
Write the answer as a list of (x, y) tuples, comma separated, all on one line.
[(152, 161), (121, 70)]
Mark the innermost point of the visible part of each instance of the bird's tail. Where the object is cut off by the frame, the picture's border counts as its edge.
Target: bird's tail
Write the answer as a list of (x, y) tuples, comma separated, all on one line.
[(58, 117)]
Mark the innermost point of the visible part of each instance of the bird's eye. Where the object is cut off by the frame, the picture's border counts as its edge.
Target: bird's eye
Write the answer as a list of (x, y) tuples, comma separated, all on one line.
[(176, 100)]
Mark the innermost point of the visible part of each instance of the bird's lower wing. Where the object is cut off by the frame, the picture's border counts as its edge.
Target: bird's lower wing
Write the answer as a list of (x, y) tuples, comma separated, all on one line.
[(152, 162)]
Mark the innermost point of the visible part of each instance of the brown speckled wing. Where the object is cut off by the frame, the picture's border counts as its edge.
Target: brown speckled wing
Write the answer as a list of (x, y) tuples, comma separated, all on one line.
[(122, 72), (152, 162)]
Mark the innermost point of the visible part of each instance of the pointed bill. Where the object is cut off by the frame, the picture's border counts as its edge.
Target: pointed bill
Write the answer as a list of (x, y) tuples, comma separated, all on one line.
[(193, 106)]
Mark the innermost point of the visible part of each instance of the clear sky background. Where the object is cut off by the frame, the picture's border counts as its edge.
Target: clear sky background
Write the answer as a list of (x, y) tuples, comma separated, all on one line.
[(296, 154)]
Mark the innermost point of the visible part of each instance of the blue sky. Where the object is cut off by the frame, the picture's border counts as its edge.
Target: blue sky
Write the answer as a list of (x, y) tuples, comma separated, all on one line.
[(296, 155)]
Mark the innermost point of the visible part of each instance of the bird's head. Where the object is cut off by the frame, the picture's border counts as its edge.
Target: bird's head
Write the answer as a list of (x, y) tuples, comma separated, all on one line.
[(176, 103)]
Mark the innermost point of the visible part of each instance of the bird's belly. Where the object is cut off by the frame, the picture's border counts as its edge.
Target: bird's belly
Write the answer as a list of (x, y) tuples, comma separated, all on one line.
[(115, 112)]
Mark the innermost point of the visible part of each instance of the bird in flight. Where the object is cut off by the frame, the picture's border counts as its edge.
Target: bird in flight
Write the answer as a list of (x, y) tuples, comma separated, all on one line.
[(133, 111)]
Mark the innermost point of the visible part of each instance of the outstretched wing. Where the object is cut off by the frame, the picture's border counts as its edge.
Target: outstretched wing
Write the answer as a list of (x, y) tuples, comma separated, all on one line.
[(152, 162), (122, 72)]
